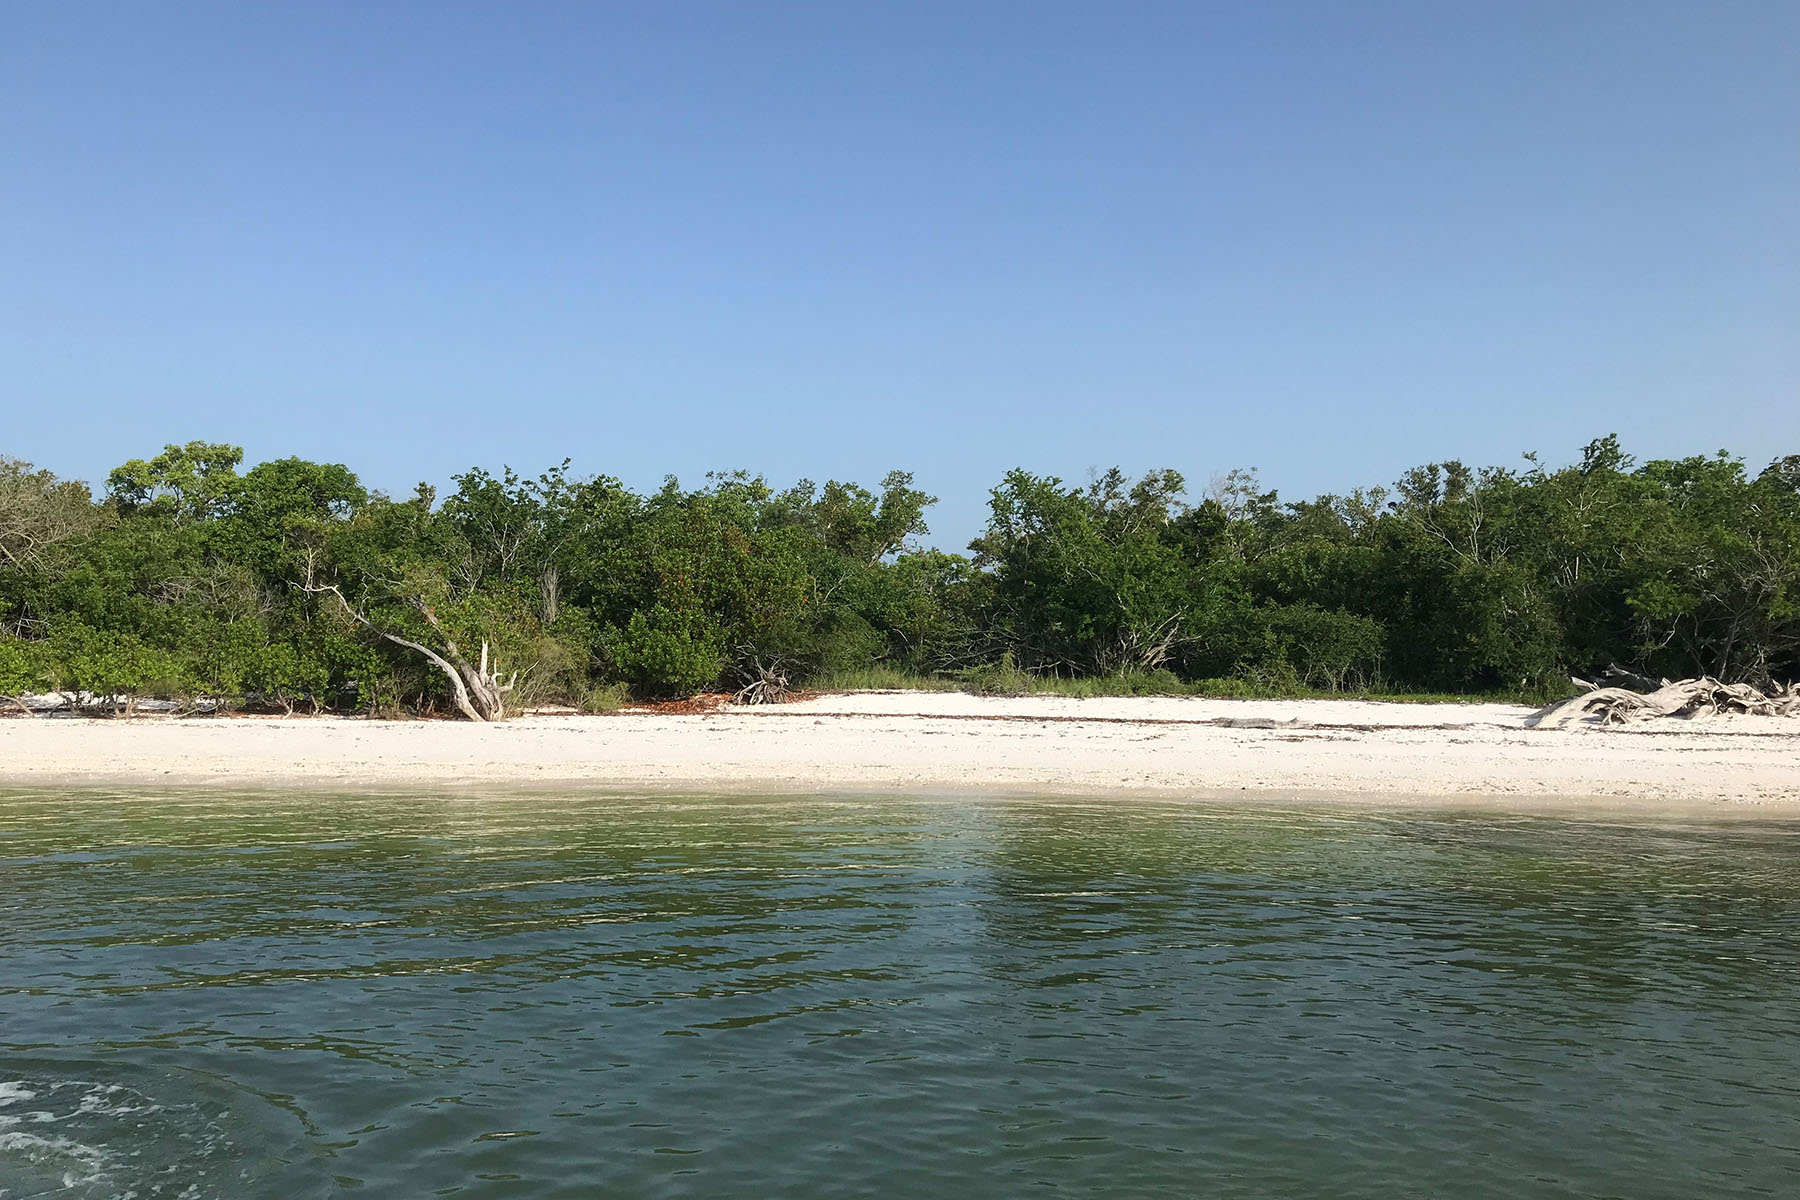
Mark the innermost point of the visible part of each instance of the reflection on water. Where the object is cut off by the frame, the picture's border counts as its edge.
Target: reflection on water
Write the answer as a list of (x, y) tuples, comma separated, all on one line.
[(287, 996)]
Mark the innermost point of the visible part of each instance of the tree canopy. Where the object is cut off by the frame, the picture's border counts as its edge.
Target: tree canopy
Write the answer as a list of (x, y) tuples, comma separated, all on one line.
[(290, 584)]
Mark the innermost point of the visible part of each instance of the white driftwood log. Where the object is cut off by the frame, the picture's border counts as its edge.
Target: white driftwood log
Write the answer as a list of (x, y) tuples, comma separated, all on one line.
[(1684, 698)]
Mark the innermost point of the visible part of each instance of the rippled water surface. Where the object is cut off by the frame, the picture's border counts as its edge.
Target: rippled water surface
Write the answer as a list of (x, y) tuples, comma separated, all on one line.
[(205, 995)]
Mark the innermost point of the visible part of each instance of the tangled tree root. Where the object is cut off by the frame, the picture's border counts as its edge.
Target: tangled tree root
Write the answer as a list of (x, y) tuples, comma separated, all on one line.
[(768, 685), (1686, 698)]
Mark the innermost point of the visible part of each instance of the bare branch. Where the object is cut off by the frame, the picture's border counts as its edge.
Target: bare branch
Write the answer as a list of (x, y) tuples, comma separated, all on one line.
[(458, 688)]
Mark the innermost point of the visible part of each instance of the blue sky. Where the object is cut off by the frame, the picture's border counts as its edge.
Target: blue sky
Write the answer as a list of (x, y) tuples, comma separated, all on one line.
[(1328, 240)]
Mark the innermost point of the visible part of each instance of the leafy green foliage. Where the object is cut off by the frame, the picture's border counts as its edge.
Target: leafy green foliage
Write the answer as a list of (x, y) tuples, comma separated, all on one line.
[(668, 652), (24, 667), (1086, 581), (1327, 649), (290, 586), (189, 483)]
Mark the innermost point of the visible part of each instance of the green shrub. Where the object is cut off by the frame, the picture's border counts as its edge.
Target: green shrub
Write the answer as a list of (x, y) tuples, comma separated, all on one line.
[(1160, 682), (1002, 678), (838, 642), (23, 667), (663, 652), (1322, 648), (117, 664), (605, 698)]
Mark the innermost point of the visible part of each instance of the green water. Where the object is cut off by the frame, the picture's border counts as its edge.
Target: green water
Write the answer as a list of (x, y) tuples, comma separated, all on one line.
[(204, 995)]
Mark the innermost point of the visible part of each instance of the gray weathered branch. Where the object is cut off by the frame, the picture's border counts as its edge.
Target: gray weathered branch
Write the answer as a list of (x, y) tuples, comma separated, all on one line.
[(477, 693), (1686, 698)]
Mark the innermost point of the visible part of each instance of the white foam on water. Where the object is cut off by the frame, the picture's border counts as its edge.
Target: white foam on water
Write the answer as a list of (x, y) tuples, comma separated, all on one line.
[(96, 1102), (93, 1139), (101, 1151), (78, 1164)]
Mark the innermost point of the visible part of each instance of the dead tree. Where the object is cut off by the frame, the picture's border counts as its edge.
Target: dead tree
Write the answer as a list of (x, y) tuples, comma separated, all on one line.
[(477, 690)]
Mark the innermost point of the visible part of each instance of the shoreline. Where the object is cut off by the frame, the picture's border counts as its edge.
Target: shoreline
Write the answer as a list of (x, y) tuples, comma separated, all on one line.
[(1304, 751)]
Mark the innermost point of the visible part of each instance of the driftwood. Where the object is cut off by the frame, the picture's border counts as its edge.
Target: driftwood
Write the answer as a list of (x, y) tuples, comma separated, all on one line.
[(1686, 698), (768, 685)]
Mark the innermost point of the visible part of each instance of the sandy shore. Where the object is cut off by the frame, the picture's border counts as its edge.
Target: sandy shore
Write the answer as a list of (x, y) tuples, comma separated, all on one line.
[(948, 741)]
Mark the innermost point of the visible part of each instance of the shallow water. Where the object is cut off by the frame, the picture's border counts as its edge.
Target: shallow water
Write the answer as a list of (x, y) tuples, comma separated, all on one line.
[(204, 995)]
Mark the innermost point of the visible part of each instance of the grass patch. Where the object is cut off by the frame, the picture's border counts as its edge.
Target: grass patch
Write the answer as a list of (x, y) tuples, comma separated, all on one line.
[(882, 679), (1006, 679), (605, 698), (1252, 689)]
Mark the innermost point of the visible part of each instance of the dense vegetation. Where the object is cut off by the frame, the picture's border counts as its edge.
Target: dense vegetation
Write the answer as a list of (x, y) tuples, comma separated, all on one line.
[(291, 585)]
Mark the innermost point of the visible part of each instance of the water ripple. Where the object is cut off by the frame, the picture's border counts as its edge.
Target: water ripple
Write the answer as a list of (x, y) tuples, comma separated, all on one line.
[(570, 996)]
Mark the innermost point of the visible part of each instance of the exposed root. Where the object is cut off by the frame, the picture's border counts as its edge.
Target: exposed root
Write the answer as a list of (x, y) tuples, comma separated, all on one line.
[(768, 685), (1687, 698)]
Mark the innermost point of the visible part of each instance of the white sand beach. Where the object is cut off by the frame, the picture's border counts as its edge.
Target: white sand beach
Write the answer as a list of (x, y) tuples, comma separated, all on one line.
[(950, 741)]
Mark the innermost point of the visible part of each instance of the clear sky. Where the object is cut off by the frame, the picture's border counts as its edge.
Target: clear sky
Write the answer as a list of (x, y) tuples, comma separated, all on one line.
[(1329, 240)]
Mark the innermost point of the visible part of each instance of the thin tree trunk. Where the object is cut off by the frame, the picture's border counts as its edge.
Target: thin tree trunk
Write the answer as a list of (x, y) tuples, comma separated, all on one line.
[(548, 586)]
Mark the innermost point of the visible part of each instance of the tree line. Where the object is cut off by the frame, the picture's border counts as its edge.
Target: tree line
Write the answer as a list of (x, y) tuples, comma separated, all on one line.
[(290, 585)]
